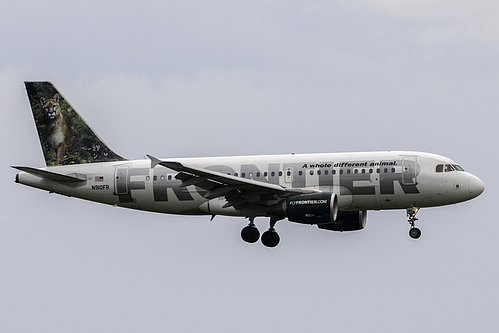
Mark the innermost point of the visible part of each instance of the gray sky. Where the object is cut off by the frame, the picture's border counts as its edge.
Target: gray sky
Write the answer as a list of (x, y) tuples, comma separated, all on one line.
[(210, 78)]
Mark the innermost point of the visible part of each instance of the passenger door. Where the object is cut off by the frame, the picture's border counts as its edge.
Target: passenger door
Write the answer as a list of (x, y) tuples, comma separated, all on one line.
[(121, 180), (409, 176)]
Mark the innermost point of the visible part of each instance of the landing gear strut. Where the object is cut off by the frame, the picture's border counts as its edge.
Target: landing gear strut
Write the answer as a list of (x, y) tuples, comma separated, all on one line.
[(414, 232), (270, 238), (250, 233)]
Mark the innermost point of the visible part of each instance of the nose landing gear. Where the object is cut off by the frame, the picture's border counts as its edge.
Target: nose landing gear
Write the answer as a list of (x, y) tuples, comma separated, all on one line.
[(414, 232)]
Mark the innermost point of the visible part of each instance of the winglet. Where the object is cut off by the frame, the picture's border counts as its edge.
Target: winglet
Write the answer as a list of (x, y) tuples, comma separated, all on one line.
[(154, 161)]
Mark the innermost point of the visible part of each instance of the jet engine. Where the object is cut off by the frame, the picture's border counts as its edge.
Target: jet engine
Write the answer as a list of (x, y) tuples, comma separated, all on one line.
[(347, 221), (313, 208)]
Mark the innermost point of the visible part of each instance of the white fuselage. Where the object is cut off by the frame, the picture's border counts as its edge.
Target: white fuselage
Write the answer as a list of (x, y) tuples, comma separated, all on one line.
[(362, 181)]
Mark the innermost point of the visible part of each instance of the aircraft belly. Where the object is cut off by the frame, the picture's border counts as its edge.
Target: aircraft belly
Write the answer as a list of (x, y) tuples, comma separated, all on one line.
[(176, 207), (365, 202)]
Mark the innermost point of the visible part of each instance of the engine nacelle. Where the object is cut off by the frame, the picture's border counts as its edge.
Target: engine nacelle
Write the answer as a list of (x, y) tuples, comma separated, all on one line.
[(313, 208), (347, 221)]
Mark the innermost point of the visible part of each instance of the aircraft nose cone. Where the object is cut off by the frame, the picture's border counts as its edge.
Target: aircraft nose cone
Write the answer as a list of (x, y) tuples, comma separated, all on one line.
[(475, 186)]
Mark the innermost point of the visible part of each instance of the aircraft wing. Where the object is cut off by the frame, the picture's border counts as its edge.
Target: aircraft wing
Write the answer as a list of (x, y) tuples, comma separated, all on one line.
[(237, 191)]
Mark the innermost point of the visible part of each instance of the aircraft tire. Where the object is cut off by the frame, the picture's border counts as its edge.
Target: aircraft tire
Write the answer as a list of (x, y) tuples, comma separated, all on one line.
[(250, 234), (270, 238), (415, 233)]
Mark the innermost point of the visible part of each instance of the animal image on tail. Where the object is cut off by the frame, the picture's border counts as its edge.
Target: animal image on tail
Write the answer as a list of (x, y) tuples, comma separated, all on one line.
[(59, 133), (64, 135)]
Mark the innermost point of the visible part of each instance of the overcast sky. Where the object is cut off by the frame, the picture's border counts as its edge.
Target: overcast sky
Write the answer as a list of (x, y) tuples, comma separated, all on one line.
[(212, 78)]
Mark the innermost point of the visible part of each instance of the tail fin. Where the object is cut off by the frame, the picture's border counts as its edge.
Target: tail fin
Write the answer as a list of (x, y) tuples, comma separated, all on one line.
[(65, 137)]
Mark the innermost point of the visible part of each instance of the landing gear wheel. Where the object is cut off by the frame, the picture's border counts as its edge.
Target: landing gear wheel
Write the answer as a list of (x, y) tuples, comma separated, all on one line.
[(415, 233), (270, 238), (250, 234)]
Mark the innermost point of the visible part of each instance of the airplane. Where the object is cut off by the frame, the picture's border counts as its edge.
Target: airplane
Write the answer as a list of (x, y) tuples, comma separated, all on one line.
[(331, 190)]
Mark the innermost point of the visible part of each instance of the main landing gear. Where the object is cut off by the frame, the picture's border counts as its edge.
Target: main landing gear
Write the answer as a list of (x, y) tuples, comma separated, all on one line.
[(414, 232), (270, 238), (250, 233)]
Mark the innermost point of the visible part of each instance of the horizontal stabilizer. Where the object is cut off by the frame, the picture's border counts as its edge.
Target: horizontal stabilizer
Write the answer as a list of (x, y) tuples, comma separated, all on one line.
[(58, 177)]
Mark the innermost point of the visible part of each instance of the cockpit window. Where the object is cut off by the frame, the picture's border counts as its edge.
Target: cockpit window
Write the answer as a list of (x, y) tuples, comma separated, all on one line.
[(448, 168)]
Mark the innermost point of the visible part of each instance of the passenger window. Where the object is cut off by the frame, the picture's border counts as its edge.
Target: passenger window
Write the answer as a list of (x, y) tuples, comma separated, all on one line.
[(341, 172), (265, 174), (288, 173), (169, 177), (162, 177), (356, 171), (300, 173), (334, 172), (235, 174), (326, 172), (370, 170), (393, 170), (348, 171), (243, 174), (272, 174), (440, 168), (258, 174), (311, 172), (385, 170), (280, 173)]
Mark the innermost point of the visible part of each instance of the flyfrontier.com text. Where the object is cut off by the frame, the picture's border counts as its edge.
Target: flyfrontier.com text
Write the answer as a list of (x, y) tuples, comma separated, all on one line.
[(308, 202)]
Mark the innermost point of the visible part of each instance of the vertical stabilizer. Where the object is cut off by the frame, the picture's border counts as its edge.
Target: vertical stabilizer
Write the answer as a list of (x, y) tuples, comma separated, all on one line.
[(64, 135)]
